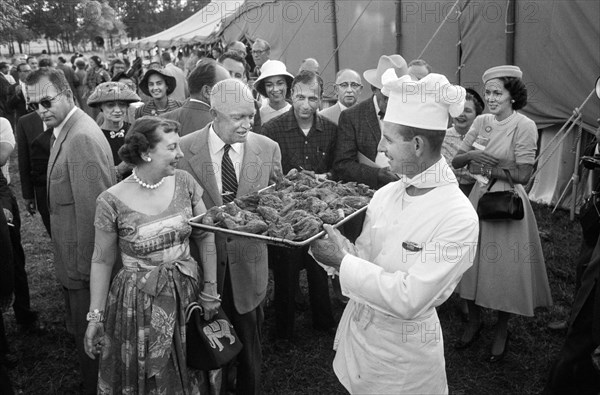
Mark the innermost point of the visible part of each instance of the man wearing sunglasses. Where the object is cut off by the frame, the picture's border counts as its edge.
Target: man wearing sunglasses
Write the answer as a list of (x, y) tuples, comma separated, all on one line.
[(79, 169)]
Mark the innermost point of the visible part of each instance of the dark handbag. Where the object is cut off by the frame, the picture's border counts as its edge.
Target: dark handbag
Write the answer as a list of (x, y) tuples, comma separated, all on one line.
[(501, 205), (589, 218), (210, 344)]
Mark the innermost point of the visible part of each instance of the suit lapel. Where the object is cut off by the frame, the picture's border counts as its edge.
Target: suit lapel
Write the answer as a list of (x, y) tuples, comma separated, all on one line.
[(202, 166), (252, 166), (372, 121), (55, 150)]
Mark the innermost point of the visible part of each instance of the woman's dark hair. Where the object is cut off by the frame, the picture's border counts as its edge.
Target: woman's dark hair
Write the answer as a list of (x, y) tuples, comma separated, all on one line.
[(143, 136), (517, 89), (473, 96)]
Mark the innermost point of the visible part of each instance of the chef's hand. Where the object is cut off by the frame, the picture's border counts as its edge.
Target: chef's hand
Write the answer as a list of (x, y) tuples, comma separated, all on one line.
[(31, 207), (331, 250)]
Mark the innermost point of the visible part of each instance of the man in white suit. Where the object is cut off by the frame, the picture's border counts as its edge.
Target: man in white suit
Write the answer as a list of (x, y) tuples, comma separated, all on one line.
[(241, 263), (418, 238)]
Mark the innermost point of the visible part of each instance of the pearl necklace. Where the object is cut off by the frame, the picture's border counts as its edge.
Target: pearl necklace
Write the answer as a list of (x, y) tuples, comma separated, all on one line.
[(143, 184), (505, 120)]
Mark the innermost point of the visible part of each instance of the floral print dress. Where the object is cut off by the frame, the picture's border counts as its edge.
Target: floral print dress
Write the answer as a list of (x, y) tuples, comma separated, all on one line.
[(144, 350)]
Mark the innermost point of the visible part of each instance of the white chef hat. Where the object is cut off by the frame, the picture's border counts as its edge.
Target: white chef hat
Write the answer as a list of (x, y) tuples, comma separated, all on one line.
[(423, 104)]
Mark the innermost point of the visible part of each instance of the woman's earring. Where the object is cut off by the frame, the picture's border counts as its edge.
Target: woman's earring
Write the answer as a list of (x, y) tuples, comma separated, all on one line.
[(148, 159), (512, 101)]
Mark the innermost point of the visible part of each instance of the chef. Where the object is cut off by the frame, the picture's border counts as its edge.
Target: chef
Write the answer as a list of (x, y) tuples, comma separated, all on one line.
[(418, 238)]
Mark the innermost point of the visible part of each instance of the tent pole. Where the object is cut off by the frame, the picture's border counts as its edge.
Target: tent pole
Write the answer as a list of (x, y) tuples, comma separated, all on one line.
[(336, 58), (576, 172), (399, 26), (510, 31)]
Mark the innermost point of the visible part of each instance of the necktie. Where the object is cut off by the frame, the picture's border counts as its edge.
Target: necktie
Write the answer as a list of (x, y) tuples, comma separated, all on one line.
[(381, 114), (52, 139), (228, 178)]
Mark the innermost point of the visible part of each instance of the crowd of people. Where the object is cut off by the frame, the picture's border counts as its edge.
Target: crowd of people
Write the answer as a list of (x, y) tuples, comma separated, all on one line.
[(117, 159)]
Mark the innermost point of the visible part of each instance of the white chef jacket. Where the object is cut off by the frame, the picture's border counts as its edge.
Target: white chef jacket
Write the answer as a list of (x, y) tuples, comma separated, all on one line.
[(409, 261)]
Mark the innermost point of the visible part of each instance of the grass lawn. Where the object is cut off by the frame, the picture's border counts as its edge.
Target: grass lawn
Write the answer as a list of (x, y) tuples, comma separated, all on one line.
[(48, 363)]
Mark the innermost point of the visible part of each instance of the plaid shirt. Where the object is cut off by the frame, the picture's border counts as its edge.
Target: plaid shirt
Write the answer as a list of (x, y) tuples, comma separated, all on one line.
[(309, 152)]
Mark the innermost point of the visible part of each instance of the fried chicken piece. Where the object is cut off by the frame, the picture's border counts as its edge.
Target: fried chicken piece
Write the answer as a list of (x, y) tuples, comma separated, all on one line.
[(281, 230), (294, 216), (270, 200), (269, 214), (255, 226), (232, 209), (248, 202), (355, 202), (210, 216), (326, 195), (307, 227), (312, 205), (331, 217)]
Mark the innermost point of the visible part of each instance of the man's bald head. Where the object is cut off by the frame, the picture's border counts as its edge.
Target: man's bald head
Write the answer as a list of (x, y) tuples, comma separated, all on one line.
[(232, 110), (230, 92)]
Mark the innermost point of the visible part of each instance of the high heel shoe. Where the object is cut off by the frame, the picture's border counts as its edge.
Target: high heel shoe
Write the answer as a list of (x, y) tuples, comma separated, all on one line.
[(494, 358), (461, 344)]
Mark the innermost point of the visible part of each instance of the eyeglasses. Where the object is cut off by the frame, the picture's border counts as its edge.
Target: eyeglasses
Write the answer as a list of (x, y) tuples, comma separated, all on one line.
[(46, 103), (353, 85), (258, 51)]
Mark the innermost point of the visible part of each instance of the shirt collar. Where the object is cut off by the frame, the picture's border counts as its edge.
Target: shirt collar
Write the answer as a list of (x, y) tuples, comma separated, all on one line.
[(215, 143), (438, 174), (376, 106), (342, 107), (200, 101), (58, 128)]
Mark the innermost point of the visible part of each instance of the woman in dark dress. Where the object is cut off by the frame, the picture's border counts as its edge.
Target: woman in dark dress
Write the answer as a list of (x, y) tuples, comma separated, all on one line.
[(113, 99)]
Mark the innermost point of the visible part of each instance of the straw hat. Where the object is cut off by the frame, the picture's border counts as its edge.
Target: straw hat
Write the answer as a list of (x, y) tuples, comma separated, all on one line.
[(272, 68), (396, 62), (112, 91), (165, 74)]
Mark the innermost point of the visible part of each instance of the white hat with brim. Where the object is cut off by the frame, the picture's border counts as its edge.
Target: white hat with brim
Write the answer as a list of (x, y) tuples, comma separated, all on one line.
[(424, 104), (272, 68), (396, 62)]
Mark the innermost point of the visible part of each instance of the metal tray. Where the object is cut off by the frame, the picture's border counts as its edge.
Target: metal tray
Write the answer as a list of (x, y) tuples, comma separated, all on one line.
[(196, 222)]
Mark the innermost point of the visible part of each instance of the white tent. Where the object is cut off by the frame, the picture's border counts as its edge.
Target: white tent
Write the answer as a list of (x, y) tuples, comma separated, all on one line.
[(202, 27)]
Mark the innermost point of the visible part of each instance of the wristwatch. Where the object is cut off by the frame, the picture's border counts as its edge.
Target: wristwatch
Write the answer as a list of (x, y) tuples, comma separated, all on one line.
[(95, 316)]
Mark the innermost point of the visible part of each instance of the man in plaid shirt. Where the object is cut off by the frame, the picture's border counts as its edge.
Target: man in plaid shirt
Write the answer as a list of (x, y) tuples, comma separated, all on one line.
[(307, 141)]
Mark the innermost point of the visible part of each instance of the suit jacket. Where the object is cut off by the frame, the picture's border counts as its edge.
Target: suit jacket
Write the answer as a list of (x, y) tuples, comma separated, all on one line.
[(245, 259), (358, 131), (192, 116), (79, 169), (33, 144), (332, 113), (589, 289), (6, 254), (70, 75), (16, 102)]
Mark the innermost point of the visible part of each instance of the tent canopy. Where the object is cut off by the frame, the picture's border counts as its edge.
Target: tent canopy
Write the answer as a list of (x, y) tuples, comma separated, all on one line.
[(202, 27)]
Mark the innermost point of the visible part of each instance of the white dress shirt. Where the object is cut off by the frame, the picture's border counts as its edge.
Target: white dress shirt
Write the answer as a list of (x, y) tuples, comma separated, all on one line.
[(58, 128), (216, 147)]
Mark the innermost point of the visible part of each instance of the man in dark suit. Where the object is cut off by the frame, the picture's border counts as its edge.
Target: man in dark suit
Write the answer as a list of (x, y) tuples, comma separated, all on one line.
[(33, 144), (211, 155), (359, 132), (17, 96), (70, 75), (80, 167), (348, 86), (194, 114)]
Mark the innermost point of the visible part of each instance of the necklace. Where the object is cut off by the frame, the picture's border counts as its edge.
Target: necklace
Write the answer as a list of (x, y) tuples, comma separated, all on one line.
[(505, 120), (143, 184)]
